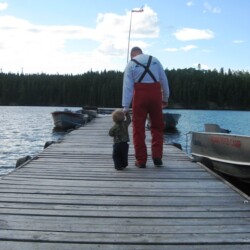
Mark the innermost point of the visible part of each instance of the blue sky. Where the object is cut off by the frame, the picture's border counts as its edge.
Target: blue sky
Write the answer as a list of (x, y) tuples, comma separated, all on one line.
[(75, 36)]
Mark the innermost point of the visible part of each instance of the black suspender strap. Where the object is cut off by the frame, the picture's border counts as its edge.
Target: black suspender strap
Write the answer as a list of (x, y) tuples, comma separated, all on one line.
[(146, 69)]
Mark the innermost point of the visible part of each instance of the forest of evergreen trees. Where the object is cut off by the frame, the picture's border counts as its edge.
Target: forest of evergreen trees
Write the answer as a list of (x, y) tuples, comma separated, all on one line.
[(190, 89)]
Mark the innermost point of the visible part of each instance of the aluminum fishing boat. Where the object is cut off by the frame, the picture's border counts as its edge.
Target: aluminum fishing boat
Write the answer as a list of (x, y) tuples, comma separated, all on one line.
[(227, 153)]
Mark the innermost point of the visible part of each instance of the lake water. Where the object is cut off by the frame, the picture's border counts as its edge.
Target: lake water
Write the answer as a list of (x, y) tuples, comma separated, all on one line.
[(193, 120), (25, 130)]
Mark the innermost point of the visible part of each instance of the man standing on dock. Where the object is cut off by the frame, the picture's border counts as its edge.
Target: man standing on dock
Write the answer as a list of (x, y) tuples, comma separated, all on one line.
[(146, 83)]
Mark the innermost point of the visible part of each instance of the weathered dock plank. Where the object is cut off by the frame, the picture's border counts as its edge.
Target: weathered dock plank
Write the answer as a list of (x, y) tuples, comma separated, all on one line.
[(71, 197)]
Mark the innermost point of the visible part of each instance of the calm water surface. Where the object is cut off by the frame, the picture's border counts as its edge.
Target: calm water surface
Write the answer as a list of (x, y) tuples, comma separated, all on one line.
[(25, 130), (193, 120)]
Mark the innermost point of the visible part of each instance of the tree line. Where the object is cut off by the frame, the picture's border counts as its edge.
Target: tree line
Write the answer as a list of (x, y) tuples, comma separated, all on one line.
[(189, 88)]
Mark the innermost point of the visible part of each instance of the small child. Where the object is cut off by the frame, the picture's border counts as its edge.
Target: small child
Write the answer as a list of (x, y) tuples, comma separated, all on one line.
[(121, 138)]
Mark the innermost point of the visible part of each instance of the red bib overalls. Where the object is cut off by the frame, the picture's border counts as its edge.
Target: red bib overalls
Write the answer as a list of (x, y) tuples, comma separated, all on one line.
[(147, 99)]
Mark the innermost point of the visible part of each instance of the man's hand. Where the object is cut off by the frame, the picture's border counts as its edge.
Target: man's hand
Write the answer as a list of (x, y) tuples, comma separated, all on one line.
[(125, 110)]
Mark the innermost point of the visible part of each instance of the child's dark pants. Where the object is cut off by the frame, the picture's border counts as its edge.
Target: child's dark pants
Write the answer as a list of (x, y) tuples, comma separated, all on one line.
[(120, 155)]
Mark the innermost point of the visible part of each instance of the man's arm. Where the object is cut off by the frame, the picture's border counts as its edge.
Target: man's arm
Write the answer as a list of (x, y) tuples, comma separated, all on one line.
[(128, 88), (164, 84)]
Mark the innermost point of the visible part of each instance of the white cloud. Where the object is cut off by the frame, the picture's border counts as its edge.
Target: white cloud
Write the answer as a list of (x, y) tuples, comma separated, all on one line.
[(113, 30), (172, 49), (190, 3), (185, 48), (188, 47), (209, 8), (40, 48), (187, 34), (238, 41), (3, 6)]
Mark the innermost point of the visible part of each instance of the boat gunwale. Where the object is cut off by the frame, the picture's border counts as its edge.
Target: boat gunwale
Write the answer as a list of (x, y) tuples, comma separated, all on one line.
[(217, 159), (238, 163), (221, 134)]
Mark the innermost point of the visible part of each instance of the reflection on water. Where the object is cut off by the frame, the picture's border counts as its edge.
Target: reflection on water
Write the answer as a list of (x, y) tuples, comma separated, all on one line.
[(24, 131)]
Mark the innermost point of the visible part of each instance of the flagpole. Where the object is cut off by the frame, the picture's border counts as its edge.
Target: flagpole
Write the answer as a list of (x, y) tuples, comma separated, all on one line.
[(130, 23)]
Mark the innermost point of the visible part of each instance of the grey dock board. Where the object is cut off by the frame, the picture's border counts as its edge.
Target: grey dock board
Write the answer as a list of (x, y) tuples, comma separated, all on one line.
[(71, 197)]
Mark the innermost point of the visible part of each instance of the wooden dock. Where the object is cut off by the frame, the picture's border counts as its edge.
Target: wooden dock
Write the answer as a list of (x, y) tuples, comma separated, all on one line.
[(71, 197)]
